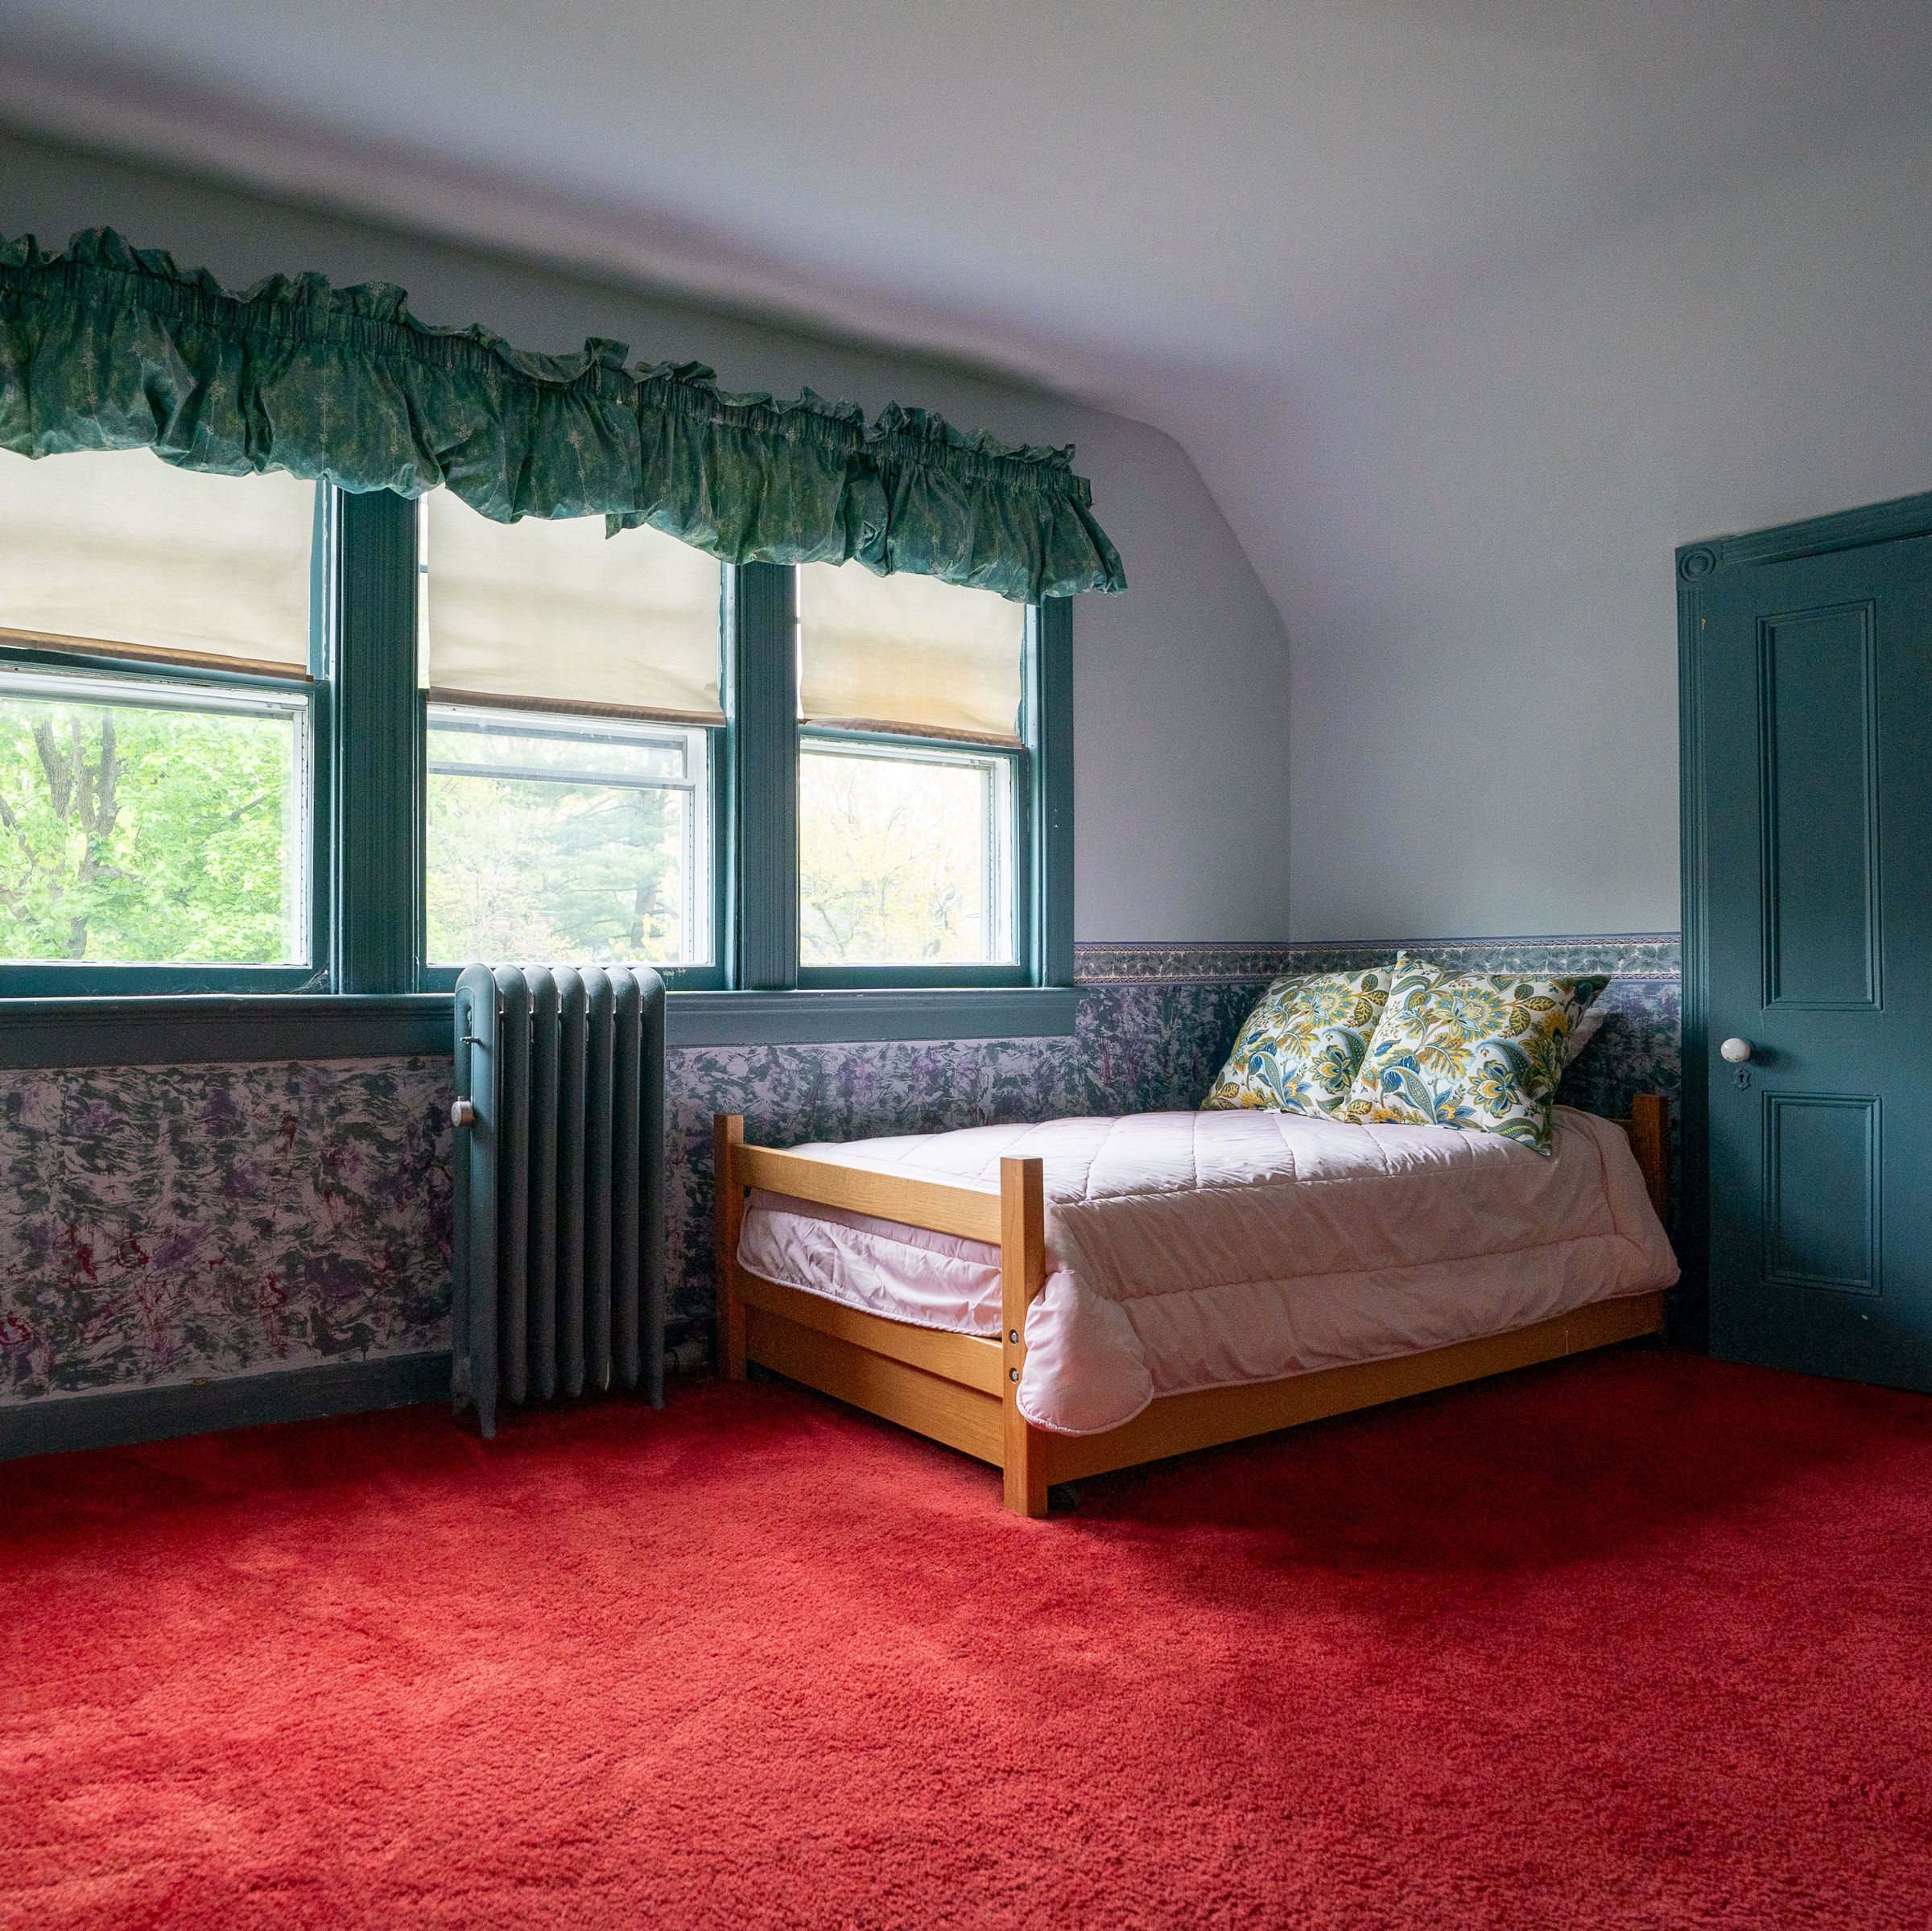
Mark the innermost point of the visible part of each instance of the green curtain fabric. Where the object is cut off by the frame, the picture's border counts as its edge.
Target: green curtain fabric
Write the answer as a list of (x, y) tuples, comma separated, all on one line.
[(107, 346)]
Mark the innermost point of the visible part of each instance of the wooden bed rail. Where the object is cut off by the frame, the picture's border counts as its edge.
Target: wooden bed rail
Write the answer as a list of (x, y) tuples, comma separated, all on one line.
[(970, 1211)]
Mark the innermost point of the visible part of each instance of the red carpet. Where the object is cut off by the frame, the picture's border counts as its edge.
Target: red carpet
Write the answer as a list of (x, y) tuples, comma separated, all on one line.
[(1637, 1640)]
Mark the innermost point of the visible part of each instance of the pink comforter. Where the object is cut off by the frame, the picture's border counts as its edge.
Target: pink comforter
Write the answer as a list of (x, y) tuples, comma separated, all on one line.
[(1197, 1250)]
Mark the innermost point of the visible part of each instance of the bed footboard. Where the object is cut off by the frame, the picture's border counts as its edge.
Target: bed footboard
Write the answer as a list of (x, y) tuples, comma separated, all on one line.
[(961, 1389)]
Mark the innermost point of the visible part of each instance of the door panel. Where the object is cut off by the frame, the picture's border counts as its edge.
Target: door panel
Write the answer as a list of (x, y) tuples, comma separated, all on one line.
[(1814, 701), (1821, 1191), (1818, 731)]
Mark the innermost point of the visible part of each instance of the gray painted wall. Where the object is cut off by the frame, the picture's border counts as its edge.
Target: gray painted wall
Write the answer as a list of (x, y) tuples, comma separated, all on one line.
[(1470, 536), (1483, 516), (1181, 700)]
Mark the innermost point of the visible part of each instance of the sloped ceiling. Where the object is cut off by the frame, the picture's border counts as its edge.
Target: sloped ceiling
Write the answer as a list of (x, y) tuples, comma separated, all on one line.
[(1175, 212)]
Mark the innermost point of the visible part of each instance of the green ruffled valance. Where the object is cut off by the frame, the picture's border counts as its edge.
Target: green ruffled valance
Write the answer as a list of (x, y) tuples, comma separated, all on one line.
[(107, 346)]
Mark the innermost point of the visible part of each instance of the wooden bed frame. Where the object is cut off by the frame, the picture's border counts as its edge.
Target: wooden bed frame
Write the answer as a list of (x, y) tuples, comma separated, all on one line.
[(961, 1389)]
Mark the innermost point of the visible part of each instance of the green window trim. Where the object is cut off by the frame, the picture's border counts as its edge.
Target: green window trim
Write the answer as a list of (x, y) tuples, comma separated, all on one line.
[(377, 748), (761, 668), (368, 722), (225, 1029), (1050, 731), (768, 737), (56, 978)]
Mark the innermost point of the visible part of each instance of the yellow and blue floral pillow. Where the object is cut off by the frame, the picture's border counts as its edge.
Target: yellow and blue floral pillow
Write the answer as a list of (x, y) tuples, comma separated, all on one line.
[(1299, 1048), (1480, 1050)]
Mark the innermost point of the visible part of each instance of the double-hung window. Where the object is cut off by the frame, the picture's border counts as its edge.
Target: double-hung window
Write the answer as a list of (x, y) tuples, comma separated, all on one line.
[(259, 735), (573, 688), (158, 727), (914, 781)]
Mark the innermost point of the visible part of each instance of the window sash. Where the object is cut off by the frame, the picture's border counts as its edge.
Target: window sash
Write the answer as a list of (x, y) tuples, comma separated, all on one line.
[(1011, 867), (139, 686), (1042, 858), (701, 884)]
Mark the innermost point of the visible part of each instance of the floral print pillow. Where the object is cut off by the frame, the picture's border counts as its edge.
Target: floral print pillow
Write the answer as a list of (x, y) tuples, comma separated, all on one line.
[(1484, 1050), (1300, 1048)]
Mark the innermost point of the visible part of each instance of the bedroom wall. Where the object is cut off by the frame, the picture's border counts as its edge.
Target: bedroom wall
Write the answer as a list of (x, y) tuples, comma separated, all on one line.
[(1159, 671), (172, 1223), (1483, 516)]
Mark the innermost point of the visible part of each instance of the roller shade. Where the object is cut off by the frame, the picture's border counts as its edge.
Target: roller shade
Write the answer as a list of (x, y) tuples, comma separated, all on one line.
[(117, 547), (909, 654), (556, 615)]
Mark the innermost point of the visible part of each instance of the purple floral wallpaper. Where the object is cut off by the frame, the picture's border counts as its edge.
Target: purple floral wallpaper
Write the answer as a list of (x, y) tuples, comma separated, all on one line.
[(161, 1224)]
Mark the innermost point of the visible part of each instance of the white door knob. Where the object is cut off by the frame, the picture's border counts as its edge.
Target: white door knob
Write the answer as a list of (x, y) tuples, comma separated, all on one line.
[(1737, 1051)]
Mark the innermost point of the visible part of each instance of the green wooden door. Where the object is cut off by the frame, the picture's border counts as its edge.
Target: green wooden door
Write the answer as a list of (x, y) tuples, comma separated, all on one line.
[(1815, 697)]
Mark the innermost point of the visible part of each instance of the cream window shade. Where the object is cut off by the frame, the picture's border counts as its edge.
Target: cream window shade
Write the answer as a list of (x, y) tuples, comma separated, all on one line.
[(558, 616), (906, 653), (117, 547)]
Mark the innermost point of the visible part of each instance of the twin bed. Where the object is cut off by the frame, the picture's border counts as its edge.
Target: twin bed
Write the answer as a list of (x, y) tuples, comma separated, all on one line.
[(1064, 1299)]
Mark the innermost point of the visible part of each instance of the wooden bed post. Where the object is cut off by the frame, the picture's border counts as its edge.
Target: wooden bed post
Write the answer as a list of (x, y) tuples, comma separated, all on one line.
[(1022, 1274), (1650, 1141), (726, 1135)]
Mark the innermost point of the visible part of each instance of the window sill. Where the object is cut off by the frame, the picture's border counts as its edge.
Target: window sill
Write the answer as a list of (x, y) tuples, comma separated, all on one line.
[(214, 1029), (872, 1013)]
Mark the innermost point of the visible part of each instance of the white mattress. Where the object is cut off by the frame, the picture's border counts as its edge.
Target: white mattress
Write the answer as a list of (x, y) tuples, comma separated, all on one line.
[(1198, 1250)]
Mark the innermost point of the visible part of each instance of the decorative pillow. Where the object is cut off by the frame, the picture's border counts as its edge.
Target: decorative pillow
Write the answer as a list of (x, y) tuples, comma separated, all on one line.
[(1484, 1050), (1300, 1048)]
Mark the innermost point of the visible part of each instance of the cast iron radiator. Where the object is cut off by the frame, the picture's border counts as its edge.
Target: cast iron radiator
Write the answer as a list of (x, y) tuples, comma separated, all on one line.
[(558, 1240)]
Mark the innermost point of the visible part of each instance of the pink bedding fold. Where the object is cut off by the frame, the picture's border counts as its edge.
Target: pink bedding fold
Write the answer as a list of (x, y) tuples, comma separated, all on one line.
[(1199, 1250)]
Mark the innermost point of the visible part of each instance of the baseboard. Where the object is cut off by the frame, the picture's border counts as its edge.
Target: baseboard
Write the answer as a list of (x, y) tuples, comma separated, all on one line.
[(115, 1417)]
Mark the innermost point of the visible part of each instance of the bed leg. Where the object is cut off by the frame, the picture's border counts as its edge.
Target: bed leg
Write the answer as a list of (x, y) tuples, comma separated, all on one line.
[(1022, 1274), (727, 1135), (1025, 1473)]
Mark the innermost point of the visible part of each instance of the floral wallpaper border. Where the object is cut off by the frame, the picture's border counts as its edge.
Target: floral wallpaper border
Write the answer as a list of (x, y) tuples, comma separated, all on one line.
[(164, 1224), (1634, 955)]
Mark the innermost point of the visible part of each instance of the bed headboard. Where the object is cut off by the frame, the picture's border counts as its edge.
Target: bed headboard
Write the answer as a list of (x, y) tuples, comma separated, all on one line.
[(1648, 1127)]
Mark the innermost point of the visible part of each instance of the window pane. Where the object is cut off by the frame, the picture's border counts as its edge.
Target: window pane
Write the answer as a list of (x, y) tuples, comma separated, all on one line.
[(147, 823), (908, 652), (119, 548), (576, 841), (904, 857), (558, 614)]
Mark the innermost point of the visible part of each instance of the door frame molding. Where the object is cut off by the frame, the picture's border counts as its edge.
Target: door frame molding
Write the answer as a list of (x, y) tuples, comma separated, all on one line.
[(1699, 565)]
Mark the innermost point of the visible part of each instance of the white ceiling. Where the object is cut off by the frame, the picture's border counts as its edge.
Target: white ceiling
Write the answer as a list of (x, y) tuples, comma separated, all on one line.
[(1148, 204)]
